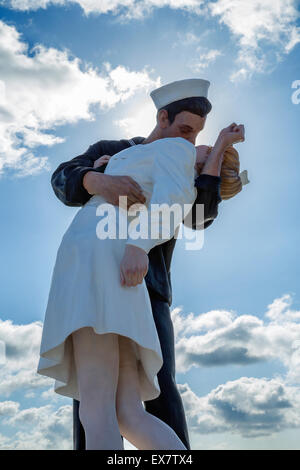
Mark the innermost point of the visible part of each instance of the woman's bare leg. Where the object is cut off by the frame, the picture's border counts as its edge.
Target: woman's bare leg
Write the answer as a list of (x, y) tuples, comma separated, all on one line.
[(97, 363), (144, 430)]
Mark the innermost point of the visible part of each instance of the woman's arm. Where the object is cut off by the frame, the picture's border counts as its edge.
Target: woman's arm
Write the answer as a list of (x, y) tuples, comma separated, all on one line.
[(209, 180), (208, 194)]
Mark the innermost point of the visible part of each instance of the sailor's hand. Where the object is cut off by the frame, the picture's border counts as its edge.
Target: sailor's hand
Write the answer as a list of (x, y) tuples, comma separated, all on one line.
[(111, 187), (134, 266)]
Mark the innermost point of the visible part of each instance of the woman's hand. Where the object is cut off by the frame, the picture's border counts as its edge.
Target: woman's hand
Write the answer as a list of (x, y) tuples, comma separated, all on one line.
[(231, 135), (101, 161), (134, 266)]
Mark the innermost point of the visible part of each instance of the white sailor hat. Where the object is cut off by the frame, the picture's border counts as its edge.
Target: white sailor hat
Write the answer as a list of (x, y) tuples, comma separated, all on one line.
[(179, 90)]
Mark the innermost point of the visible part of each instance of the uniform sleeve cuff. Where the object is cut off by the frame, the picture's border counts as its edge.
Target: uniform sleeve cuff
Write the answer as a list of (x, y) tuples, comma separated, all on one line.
[(209, 182)]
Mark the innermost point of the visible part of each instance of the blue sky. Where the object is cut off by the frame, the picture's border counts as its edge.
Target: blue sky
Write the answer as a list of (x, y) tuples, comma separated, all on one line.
[(72, 73)]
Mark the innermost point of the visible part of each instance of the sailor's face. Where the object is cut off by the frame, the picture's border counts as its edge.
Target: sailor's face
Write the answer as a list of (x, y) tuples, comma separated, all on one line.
[(186, 125)]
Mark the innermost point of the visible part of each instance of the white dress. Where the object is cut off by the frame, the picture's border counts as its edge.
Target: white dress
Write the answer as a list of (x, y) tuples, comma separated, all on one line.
[(85, 287)]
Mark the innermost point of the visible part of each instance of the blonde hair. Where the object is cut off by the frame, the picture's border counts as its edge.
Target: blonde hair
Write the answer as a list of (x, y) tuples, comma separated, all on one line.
[(232, 180)]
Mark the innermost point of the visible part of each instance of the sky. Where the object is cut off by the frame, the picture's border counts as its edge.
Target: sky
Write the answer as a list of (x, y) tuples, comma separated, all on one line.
[(75, 72)]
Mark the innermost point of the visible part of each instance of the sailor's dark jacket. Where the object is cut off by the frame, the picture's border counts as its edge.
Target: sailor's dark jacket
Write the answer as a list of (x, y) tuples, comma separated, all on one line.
[(68, 187)]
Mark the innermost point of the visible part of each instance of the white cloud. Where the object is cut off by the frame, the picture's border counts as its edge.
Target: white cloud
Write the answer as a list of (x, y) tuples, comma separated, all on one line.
[(47, 88), (279, 310), (204, 59), (127, 8), (271, 20), (248, 406), (8, 408), (22, 343), (46, 427), (265, 29), (141, 120), (220, 338), (43, 428), (255, 23), (187, 39)]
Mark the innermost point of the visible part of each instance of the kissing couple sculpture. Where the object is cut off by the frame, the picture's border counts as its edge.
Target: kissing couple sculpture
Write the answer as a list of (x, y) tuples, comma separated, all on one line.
[(108, 337)]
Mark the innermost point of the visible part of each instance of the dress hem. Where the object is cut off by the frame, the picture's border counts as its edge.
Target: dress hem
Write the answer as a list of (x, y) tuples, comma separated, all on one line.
[(56, 367)]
